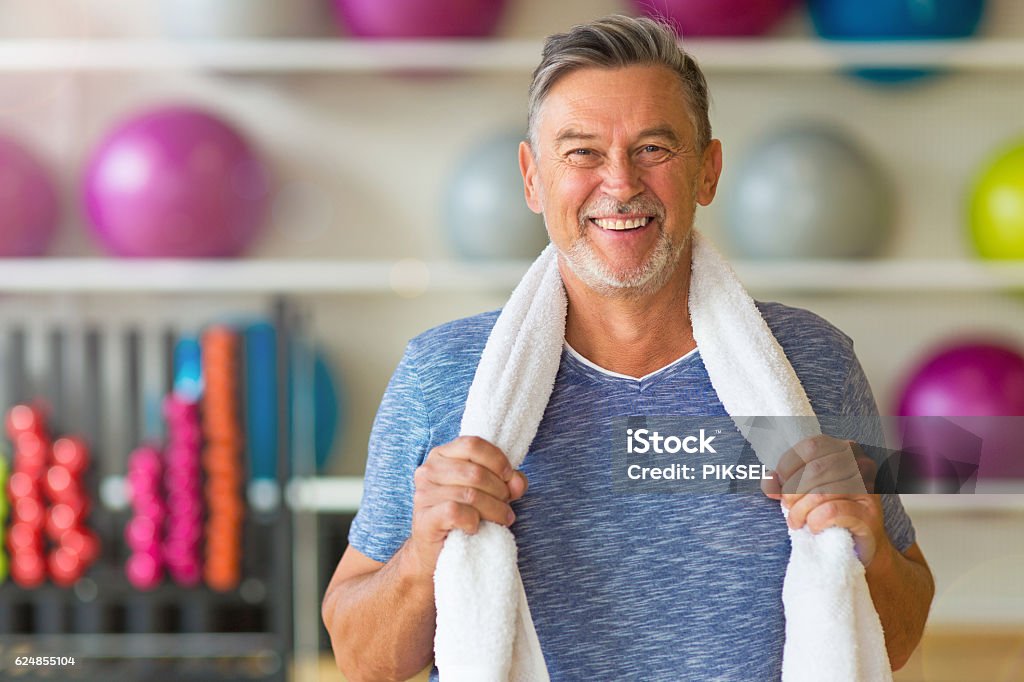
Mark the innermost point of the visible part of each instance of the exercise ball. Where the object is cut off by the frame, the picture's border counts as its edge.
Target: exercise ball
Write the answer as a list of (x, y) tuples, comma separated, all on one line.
[(319, 387), (175, 182), (717, 17), (996, 211), (895, 20), (808, 192), (239, 19), (485, 214), (28, 202), (418, 19), (978, 387), (966, 379)]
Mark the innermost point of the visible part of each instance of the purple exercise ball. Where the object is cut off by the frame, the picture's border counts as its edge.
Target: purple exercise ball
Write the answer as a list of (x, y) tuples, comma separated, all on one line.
[(717, 17), (966, 380), (419, 19), (28, 202), (175, 182), (979, 387)]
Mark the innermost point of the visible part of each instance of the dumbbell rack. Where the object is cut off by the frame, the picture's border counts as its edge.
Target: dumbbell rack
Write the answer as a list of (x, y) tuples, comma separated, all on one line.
[(111, 629)]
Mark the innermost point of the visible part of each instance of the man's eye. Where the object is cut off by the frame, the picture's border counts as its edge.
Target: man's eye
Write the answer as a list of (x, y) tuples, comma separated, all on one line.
[(652, 153), (583, 158)]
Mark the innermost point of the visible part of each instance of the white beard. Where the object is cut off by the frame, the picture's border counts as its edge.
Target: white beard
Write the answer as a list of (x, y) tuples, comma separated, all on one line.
[(642, 280)]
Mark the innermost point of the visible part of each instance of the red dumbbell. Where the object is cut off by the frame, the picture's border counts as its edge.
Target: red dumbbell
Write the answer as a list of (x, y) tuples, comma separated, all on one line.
[(28, 568), (84, 542), (66, 565), (72, 453), (24, 418), (62, 517), (23, 537)]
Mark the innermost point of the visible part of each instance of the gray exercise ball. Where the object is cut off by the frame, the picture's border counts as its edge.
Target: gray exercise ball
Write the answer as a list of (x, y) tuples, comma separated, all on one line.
[(808, 192), (485, 214), (231, 19)]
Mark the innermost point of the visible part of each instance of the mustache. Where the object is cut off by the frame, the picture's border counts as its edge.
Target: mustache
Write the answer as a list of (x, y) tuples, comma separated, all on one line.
[(643, 203)]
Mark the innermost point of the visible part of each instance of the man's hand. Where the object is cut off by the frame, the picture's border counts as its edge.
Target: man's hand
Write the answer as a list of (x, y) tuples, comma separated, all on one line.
[(460, 484), (825, 482)]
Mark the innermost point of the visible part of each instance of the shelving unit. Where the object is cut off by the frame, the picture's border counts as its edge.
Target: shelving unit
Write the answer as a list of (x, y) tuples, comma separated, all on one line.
[(110, 628), (746, 61)]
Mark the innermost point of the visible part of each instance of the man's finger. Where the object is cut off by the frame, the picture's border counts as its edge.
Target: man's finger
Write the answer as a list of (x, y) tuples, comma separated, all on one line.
[(446, 471), (480, 451), (488, 508), (772, 487), (806, 451)]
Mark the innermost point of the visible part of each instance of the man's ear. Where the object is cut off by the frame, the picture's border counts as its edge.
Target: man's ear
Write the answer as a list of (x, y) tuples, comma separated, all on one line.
[(528, 167), (710, 172)]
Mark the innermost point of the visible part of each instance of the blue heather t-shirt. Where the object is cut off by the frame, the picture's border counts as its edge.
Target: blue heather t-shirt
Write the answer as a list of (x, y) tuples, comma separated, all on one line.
[(621, 586)]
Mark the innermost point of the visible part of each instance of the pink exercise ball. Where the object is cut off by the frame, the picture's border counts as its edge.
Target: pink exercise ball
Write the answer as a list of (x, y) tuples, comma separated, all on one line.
[(419, 19), (979, 387), (966, 380), (175, 182), (28, 202), (717, 17)]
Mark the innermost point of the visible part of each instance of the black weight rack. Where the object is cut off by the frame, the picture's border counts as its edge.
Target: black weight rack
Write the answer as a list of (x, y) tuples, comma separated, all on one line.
[(110, 629)]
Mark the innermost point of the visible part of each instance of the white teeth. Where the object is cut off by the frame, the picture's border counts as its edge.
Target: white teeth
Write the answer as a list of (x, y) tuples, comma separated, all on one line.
[(609, 224)]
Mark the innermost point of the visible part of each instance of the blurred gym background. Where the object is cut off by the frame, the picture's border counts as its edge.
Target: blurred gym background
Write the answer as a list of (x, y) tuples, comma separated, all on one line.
[(221, 221)]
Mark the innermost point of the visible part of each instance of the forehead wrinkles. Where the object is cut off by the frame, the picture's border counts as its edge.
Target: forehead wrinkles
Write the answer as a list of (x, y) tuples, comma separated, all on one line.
[(600, 115)]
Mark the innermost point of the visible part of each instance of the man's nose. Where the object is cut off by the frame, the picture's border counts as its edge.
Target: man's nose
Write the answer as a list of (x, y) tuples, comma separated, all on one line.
[(621, 178)]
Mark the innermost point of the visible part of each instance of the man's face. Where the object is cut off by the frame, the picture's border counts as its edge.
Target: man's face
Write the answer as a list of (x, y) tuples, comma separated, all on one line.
[(617, 175)]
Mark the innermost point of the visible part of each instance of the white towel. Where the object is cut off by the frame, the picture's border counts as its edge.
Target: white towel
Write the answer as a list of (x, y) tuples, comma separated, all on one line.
[(484, 629)]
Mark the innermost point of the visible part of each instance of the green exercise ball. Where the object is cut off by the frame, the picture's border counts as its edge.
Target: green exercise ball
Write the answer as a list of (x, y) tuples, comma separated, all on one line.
[(997, 206)]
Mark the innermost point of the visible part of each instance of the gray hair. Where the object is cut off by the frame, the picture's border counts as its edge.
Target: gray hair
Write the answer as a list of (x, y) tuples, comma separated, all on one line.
[(614, 42)]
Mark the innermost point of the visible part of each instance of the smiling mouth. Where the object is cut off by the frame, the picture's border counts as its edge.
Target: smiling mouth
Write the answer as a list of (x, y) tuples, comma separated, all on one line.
[(622, 225)]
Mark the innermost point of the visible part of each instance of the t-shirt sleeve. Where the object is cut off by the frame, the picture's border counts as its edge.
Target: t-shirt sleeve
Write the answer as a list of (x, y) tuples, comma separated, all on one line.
[(859, 405), (398, 444)]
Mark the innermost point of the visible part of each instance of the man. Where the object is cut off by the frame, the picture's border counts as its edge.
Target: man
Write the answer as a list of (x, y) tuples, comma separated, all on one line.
[(619, 154)]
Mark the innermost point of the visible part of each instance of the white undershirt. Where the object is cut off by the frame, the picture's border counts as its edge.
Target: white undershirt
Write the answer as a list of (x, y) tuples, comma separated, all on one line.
[(607, 372)]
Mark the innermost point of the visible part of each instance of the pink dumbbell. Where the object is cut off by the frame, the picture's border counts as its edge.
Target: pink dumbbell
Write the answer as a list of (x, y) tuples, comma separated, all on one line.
[(142, 533), (144, 569)]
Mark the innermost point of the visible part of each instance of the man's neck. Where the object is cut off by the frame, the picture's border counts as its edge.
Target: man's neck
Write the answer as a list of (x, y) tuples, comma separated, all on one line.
[(631, 335)]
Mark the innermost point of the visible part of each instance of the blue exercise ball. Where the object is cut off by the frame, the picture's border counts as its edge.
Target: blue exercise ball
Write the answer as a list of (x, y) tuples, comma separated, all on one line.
[(485, 213), (895, 20), (325, 396), (808, 191)]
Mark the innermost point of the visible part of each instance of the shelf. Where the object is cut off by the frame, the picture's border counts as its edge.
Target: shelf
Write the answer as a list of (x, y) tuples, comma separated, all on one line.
[(413, 277), (336, 494), (342, 494), (404, 277), (499, 55), (214, 645), (997, 497)]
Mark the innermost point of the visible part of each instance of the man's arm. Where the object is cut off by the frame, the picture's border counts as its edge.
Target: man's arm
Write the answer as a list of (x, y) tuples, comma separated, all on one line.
[(380, 616), (901, 588), (822, 482)]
